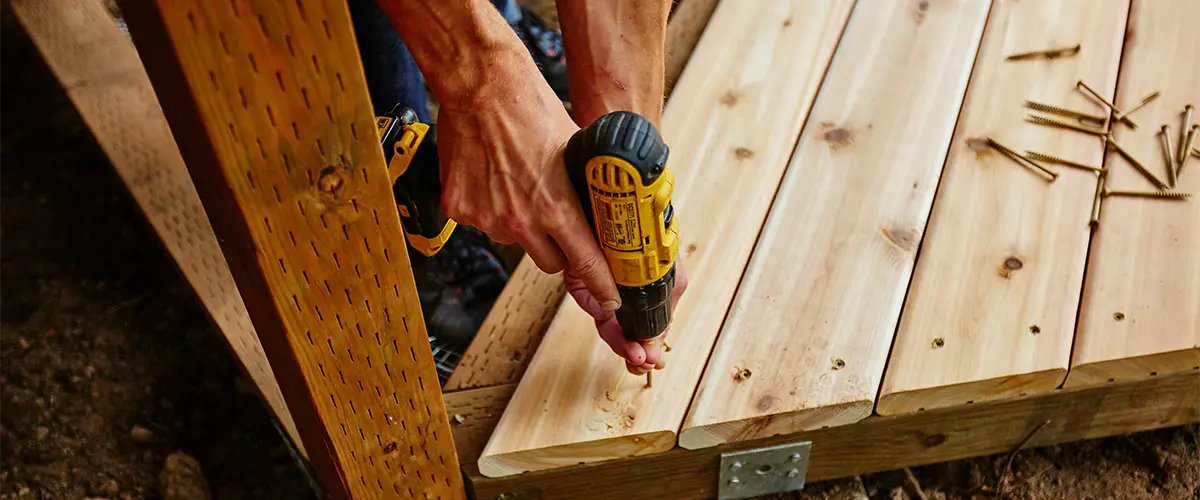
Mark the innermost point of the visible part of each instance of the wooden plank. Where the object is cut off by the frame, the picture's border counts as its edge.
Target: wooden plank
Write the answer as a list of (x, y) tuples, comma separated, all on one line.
[(105, 80), (991, 308), (512, 330), (814, 317), (1144, 265), (517, 322), (684, 28), (730, 115), (270, 110), (881, 443)]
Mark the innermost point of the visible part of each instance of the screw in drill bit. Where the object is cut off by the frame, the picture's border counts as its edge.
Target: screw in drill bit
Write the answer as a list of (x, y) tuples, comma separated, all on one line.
[(1111, 107), (1169, 156), (1099, 199), (1055, 110), (1042, 157), (1137, 165), (1165, 195), (1049, 122), (1145, 100), (1046, 53), (1021, 160)]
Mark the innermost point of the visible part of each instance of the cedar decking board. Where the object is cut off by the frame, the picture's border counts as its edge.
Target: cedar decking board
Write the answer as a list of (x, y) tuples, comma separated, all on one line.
[(732, 112)]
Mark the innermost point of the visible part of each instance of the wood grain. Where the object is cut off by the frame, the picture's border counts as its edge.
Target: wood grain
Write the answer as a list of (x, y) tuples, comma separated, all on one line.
[(881, 443), (734, 112), (517, 322), (1141, 298), (105, 80), (270, 110), (814, 317), (473, 415), (991, 307)]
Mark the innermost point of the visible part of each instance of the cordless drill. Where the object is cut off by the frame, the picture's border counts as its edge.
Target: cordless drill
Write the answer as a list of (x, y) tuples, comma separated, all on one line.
[(618, 167)]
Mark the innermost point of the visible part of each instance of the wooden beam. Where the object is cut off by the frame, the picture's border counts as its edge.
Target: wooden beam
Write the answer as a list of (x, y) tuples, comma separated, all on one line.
[(814, 317), (881, 443), (992, 304), (729, 115), (102, 75), (1142, 292), (517, 322), (473, 415), (270, 110)]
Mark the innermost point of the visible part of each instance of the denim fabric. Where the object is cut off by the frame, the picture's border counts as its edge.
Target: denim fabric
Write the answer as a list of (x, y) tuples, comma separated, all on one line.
[(392, 74)]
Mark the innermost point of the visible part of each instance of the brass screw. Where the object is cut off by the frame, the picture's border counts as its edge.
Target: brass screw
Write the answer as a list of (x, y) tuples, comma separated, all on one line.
[(1145, 100), (1111, 107), (1168, 154), (1055, 110), (1167, 195), (1137, 165), (1046, 53), (1041, 120), (1021, 160), (1095, 222), (650, 379), (1183, 134), (1034, 155), (1191, 140)]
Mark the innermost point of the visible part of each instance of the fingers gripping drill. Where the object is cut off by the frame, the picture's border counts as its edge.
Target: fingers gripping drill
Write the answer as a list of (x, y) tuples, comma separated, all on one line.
[(617, 166)]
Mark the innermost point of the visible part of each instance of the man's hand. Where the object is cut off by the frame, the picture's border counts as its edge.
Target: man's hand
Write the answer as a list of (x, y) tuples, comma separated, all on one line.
[(640, 357), (502, 171)]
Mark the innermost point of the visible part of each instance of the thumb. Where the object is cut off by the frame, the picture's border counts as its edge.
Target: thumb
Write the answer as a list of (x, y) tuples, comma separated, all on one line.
[(586, 261)]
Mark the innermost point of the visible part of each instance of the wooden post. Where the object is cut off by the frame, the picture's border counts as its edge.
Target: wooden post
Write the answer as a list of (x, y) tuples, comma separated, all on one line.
[(268, 103)]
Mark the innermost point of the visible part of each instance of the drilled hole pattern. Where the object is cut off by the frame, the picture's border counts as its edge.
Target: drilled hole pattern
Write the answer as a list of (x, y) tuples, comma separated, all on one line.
[(273, 80)]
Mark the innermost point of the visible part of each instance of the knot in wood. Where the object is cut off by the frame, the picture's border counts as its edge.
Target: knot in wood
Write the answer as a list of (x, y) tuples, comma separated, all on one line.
[(330, 181)]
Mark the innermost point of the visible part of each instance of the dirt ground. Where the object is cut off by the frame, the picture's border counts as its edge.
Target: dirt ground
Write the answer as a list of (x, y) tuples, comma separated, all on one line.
[(111, 373)]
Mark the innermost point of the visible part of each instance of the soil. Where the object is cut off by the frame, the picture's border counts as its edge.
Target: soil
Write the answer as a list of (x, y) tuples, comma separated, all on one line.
[(115, 384)]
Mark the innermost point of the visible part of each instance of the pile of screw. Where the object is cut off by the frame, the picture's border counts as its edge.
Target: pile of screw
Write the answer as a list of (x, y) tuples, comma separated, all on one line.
[(1101, 126)]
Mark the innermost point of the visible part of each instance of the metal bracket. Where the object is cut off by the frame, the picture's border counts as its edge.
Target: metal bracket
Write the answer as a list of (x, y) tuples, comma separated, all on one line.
[(763, 471)]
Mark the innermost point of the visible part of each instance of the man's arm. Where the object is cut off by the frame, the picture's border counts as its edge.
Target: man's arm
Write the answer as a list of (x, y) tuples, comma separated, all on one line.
[(615, 56)]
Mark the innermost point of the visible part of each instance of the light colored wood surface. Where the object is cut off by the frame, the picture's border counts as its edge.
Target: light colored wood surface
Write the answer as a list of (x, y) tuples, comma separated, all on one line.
[(731, 123), (814, 317), (105, 80), (1144, 265), (270, 109), (880, 444), (991, 308), (517, 322)]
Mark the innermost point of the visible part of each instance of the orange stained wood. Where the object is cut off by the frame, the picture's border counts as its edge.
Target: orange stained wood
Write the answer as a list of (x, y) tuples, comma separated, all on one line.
[(1140, 315), (270, 108), (105, 80), (992, 304)]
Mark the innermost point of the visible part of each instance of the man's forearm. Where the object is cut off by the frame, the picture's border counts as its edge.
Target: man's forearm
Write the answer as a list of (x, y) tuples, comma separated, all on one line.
[(465, 49), (614, 56)]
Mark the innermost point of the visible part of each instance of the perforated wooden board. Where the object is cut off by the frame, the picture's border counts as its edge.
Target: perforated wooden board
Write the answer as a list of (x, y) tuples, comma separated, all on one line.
[(270, 109), (105, 80)]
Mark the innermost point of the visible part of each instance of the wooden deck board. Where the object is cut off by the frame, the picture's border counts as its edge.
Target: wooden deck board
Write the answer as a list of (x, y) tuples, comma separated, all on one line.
[(880, 443), (992, 305), (814, 316), (729, 114), (1141, 300)]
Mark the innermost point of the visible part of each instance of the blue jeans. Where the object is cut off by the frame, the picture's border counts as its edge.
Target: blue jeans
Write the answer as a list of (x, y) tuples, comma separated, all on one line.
[(392, 73)]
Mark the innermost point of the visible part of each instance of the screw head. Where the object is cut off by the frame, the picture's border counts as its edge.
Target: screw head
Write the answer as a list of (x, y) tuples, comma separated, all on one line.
[(736, 466), (735, 481), (795, 457), (793, 473)]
